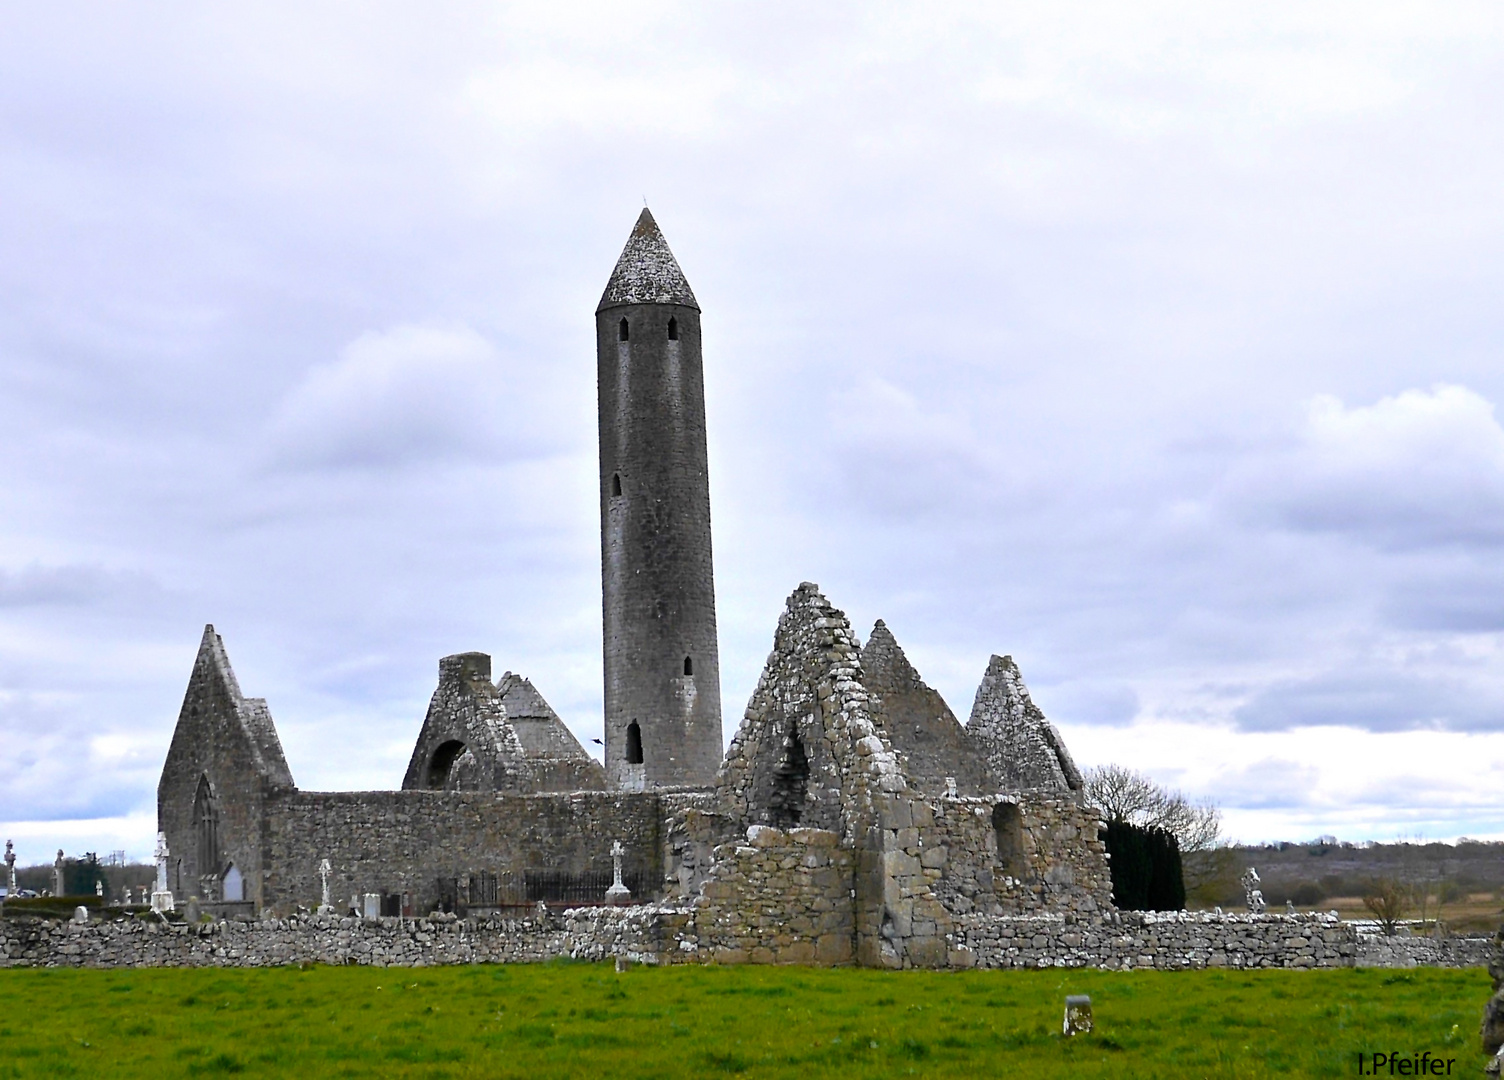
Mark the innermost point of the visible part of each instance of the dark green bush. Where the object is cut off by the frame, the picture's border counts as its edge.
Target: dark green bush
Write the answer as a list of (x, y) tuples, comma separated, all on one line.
[(1145, 865)]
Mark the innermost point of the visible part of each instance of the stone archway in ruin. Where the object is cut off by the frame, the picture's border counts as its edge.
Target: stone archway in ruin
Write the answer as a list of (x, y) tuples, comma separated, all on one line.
[(441, 764), (790, 783)]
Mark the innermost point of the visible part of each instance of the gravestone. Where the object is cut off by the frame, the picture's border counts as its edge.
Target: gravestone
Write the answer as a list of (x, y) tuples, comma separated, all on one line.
[(1077, 1014)]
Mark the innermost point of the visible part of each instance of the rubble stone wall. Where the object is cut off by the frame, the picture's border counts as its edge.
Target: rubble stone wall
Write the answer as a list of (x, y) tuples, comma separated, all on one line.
[(776, 898), (660, 934), (405, 842), (1061, 865)]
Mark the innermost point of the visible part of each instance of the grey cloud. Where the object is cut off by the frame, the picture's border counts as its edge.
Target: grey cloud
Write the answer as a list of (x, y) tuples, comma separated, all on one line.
[(1377, 699)]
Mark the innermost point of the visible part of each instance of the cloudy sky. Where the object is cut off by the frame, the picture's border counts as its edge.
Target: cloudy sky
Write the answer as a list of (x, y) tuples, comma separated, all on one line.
[(1155, 344)]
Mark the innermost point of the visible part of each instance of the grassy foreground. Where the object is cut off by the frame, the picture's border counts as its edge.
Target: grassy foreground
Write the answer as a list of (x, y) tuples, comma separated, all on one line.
[(584, 1020)]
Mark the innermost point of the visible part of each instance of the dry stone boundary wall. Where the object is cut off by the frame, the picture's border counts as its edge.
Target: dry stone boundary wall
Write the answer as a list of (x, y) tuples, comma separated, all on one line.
[(659, 934)]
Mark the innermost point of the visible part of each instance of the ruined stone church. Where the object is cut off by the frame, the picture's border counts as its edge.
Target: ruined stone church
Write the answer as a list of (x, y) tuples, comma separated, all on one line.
[(853, 819)]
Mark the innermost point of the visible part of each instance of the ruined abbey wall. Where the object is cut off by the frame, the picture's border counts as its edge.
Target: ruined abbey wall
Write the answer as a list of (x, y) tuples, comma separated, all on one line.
[(405, 843), (657, 934)]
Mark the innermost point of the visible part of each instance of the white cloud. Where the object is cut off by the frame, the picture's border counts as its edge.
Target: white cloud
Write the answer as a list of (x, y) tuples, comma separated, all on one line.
[(1419, 468), (409, 395)]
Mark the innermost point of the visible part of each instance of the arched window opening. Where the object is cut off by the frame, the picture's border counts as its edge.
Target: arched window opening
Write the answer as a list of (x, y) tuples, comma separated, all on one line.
[(689, 665), (634, 744), (790, 783), (206, 828), (621, 331), (616, 485), (442, 761), (1008, 827), (673, 329), (234, 884)]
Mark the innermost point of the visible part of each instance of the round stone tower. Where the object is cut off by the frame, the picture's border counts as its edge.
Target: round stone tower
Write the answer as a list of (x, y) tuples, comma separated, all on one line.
[(663, 679)]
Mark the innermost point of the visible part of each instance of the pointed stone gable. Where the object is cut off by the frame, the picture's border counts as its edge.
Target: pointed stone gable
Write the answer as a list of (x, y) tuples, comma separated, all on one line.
[(470, 741), (214, 695), (224, 762), (647, 272), (1021, 748), (556, 758), (808, 752), (466, 743), (918, 723)]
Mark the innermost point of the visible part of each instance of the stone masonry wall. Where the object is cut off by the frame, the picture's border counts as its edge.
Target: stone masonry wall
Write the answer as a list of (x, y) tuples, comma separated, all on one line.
[(404, 842), (777, 898), (1062, 867), (667, 934)]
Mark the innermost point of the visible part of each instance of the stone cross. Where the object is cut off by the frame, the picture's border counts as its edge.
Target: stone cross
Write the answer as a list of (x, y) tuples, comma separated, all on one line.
[(10, 866), (57, 875), (618, 893), (99, 888), (1251, 893), (325, 907), (161, 899)]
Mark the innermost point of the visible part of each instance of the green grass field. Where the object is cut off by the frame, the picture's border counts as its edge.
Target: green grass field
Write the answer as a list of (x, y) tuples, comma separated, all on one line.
[(586, 1020)]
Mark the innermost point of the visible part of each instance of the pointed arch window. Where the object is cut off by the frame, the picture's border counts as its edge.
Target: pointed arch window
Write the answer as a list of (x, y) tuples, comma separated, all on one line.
[(673, 329), (616, 485), (689, 665), (622, 332), (634, 744), (206, 827)]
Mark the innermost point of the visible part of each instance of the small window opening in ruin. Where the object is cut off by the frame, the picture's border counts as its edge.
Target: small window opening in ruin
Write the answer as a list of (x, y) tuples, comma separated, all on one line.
[(621, 331), (1008, 827), (689, 666), (790, 783), (206, 827), (616, 484), (673, 329), (442, 761), (634, 744)]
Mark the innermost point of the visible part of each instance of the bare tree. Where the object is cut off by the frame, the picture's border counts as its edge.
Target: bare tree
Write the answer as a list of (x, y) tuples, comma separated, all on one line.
[(1388, 900), (1124, 795)]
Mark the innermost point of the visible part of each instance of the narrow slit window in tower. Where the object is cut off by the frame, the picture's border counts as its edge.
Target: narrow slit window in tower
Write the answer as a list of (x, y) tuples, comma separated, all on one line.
[(673, 329), (616, 484), (621, 331), (689, 666), (634, 744)]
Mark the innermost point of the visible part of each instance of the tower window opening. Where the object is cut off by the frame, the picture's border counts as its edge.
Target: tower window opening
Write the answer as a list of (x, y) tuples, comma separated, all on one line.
[(689, 666), (615, 484), (634, 744), (673, 329), (621, 331)]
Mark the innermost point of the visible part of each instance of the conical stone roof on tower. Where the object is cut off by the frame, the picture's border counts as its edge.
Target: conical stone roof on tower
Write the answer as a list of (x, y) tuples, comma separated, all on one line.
[(647, 272)]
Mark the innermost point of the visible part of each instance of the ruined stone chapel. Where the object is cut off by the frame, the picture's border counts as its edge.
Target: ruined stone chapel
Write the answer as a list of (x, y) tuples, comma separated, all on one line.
[(853, 819)]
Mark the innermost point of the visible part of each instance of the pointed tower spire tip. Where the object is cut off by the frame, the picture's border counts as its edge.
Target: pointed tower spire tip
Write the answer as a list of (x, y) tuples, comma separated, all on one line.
[(647, 272)]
